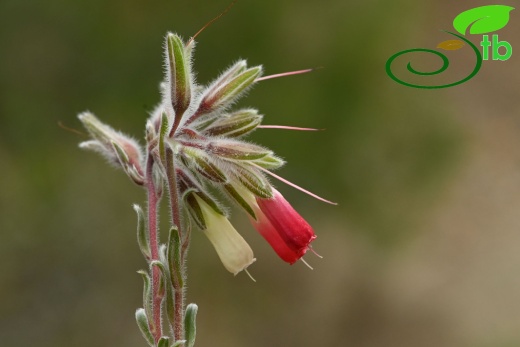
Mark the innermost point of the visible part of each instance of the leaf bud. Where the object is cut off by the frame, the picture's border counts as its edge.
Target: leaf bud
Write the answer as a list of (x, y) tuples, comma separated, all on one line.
[(118, 148), (179, 74)]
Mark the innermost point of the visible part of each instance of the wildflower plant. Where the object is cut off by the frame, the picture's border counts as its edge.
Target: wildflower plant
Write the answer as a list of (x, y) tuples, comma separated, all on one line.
[(195, 154)]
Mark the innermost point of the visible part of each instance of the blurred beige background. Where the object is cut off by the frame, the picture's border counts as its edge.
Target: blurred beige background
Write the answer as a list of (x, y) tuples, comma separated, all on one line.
[(423, 249)]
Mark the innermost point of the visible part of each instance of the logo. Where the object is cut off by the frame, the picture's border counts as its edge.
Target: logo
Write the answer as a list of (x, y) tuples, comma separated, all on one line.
[(477, 21)]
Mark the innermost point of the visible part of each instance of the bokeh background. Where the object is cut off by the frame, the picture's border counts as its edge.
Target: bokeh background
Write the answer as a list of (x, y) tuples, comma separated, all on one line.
[(422, 250)]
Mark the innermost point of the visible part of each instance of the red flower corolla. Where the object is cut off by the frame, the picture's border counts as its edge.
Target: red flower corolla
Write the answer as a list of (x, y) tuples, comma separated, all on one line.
[(282, 227)]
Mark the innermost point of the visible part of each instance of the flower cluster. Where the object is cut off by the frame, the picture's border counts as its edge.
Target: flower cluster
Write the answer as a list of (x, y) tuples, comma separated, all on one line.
[(196, 145)]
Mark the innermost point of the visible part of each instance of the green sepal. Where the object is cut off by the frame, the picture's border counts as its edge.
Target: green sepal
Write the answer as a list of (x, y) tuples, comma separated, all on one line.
[(164, 342), (142, 323), (180, 83), (121, 154), (204, 166), (174, 257), (254, 182), (194, 207), (206, 122), (179, 343), (190, 328), (147, 296), (195, 188), (224, 94), (235, 124), (195, 210), (127, 153), (98, 130), (238, 150), (212, 203), (239, 200), (126, 164), (270, 162), (237, 68), (142, 236)]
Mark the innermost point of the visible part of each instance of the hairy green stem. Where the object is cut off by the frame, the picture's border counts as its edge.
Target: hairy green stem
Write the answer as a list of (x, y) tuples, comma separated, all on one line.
[(178, 329), (153, 202)]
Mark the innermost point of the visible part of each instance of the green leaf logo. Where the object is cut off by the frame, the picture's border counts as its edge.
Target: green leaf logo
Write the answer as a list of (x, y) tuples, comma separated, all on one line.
[(482, 20)]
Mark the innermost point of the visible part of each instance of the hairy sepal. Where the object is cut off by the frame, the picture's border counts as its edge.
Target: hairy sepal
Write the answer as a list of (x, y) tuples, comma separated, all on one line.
[(253, 180), (199, 161), (223, 93), (234, 124), (179, 74), (237, 150), (270, 162)]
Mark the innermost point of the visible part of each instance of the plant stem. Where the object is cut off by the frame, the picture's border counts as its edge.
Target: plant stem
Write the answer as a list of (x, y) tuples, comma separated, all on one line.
[(153, 202), (178, 329)]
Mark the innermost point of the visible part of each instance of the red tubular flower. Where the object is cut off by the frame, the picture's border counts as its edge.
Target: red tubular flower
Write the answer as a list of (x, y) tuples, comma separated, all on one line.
[(271, 235), (283, 228)]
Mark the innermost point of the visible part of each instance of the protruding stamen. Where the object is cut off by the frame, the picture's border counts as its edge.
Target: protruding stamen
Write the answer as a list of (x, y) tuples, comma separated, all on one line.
[(315, 253), (286, 127), (307, 264), (295, 186), (283, 74), (211, 22), (72, 130), (251, 277)]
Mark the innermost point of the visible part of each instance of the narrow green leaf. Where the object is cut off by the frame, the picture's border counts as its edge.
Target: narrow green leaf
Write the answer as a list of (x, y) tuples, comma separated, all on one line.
[(190, 328), (147, 296), (169, 298), (142, 236), (174, 257), (161, 291), (164, 342), (142, 323), (482, 20)]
